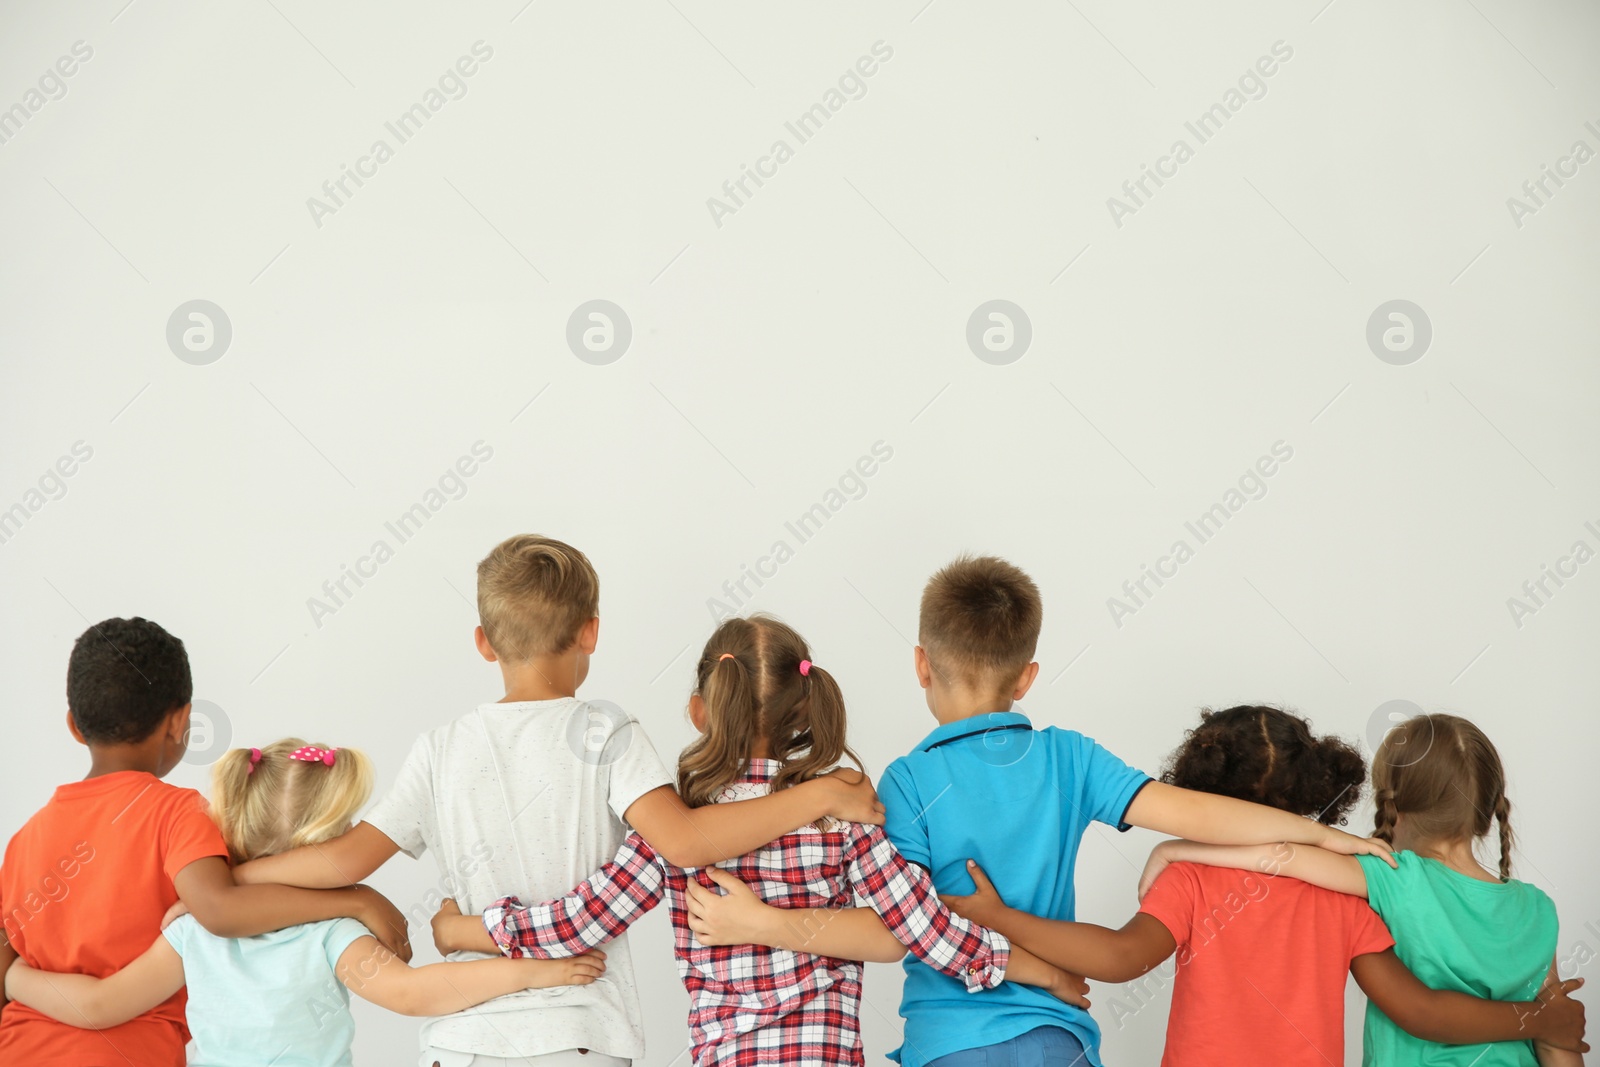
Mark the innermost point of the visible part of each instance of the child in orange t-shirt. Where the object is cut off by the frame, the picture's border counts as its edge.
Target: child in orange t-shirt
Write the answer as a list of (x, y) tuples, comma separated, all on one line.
[(86, 881), (1261, 960)]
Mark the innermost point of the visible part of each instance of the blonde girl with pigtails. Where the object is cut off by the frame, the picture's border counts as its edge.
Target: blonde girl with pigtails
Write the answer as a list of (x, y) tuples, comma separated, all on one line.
[(282, 997), (1440, 789)]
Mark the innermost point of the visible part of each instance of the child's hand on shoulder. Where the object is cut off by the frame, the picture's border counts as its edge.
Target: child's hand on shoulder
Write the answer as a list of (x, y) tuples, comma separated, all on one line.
[(983, 905), (579, 970), (855, 799), (1351, 845)]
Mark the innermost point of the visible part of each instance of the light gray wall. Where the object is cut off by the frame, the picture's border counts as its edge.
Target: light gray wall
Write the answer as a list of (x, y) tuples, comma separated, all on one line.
[(1172, 344)]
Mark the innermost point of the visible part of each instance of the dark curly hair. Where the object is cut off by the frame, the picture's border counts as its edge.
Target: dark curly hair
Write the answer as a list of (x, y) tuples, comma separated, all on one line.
[(1268, 756), (123, 678)]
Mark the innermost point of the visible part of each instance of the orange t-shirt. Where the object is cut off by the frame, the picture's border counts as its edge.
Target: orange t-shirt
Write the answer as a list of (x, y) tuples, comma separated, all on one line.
[(1262, 963), (83, 888)]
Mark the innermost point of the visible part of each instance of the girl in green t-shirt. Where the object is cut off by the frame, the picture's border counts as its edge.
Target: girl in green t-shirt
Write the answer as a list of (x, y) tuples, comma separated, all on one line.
[(1439, 788)]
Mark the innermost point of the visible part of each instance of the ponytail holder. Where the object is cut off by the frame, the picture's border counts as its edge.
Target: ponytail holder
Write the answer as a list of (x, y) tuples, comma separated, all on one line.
[(255, 758), (313, 754), (805, 667), (725, 655)]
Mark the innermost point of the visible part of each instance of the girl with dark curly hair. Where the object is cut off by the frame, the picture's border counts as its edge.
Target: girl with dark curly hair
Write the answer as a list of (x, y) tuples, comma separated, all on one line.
[(1261, 960)]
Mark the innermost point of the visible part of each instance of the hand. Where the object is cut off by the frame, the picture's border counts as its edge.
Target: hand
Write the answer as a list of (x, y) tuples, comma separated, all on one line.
[(1345, 844), (856, 800), (173, 913), (1160, 858), (1069, 988), (579, 970), (383, 920), (441, 923), (1558, 1021), (983, 906), (737, 918), (455, 932)]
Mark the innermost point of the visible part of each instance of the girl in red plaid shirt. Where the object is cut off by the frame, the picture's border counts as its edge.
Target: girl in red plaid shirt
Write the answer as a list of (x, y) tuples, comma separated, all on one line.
[(769, 718)]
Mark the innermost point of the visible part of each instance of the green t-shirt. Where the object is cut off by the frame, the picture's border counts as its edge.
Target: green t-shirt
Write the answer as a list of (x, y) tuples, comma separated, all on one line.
[(1489, 939)]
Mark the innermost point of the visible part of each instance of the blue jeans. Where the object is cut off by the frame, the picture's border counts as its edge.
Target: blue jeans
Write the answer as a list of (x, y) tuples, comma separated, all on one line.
[(1047, 1046)]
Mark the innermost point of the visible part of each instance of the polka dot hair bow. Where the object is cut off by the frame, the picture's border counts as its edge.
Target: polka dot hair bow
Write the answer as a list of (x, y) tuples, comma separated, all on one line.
[(313, 754)]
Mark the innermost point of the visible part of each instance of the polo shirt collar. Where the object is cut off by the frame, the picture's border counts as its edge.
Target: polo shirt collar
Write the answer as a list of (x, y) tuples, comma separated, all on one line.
[(975, 726)]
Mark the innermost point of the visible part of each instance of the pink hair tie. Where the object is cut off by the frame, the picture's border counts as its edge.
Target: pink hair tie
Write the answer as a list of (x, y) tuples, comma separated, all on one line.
[(313, 754), (255, 758), (726, 655), (805, 667)]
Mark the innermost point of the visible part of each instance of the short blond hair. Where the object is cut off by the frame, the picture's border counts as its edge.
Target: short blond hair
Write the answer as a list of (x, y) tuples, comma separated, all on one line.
[(270, 804), (534, 595), (980, 620)]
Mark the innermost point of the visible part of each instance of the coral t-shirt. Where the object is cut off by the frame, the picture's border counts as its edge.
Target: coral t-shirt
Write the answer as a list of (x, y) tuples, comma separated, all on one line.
[(1261, 966), (83, 888)]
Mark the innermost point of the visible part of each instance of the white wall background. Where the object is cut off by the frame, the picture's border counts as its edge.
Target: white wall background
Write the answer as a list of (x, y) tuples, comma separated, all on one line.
[(768, 353)]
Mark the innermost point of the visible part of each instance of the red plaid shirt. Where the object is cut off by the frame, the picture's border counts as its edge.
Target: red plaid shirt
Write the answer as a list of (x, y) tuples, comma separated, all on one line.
[(750, 1004)]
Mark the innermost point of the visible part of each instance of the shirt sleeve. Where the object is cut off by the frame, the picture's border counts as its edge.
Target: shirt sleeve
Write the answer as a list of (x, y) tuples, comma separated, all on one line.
[(1171, 901), (405, 815), (1367, 932), (903, 896), (1109, 785), (610, 901), (189, 834), (638, 769), (339, 935), (178, 931), (1382, 880), (903, 822)]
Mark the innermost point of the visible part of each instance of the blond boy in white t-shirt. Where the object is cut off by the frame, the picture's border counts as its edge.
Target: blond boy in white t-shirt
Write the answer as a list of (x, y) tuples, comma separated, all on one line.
[(528, 795)]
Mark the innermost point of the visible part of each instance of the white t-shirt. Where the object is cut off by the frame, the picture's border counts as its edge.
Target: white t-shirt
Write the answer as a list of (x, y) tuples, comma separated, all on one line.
[(526, 800)]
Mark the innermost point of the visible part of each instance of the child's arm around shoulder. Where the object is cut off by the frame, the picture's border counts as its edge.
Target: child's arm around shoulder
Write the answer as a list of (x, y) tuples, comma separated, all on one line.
[(1220, 820), (207, 889), (348, 859), (700, 837), (91, 1003), (1316, 866)]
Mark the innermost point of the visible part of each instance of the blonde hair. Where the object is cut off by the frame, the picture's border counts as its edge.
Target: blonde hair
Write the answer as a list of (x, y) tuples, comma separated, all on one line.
[(284, 803), (1444, 775), (534, 595), (749, 677), (980, 620)]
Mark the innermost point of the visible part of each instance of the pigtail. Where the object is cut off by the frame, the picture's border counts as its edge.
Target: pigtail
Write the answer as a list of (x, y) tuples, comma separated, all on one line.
[(335, 792), (822, 730), (230, 783), (1384, 820), (1502, 814), (714, 759)]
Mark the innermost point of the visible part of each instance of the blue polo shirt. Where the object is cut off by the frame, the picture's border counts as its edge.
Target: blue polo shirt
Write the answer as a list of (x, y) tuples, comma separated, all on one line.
[(1017, 800)]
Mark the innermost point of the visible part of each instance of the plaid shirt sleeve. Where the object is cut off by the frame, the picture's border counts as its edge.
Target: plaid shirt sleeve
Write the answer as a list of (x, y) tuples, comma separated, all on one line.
[(903, 896), (605, 905)]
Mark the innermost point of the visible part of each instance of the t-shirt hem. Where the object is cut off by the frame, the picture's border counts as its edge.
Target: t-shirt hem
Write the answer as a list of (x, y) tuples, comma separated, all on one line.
[(919, 1053)]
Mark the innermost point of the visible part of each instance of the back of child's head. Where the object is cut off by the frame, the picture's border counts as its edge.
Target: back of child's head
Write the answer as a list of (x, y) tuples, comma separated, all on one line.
[(123, 678), (269, 800), (534, 595), (1268, 756), (1445, 776), (979, 623), (759, 684)]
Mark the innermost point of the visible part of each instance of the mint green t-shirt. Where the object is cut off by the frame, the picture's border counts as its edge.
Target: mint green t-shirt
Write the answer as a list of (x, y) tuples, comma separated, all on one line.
[(268, 999), (1490, 939)]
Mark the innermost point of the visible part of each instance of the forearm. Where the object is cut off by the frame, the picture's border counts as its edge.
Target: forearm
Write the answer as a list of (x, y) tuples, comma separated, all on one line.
[(74, 999), (843, 933), (1459, 1019), (1099, 954), (1220, 820), (1556, 1057), (703, 836), (446, 988), (346, 860), (248, 910)]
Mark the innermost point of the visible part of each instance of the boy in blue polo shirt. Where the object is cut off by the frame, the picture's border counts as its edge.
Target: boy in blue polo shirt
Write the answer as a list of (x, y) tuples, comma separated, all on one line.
[(986, 785)]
